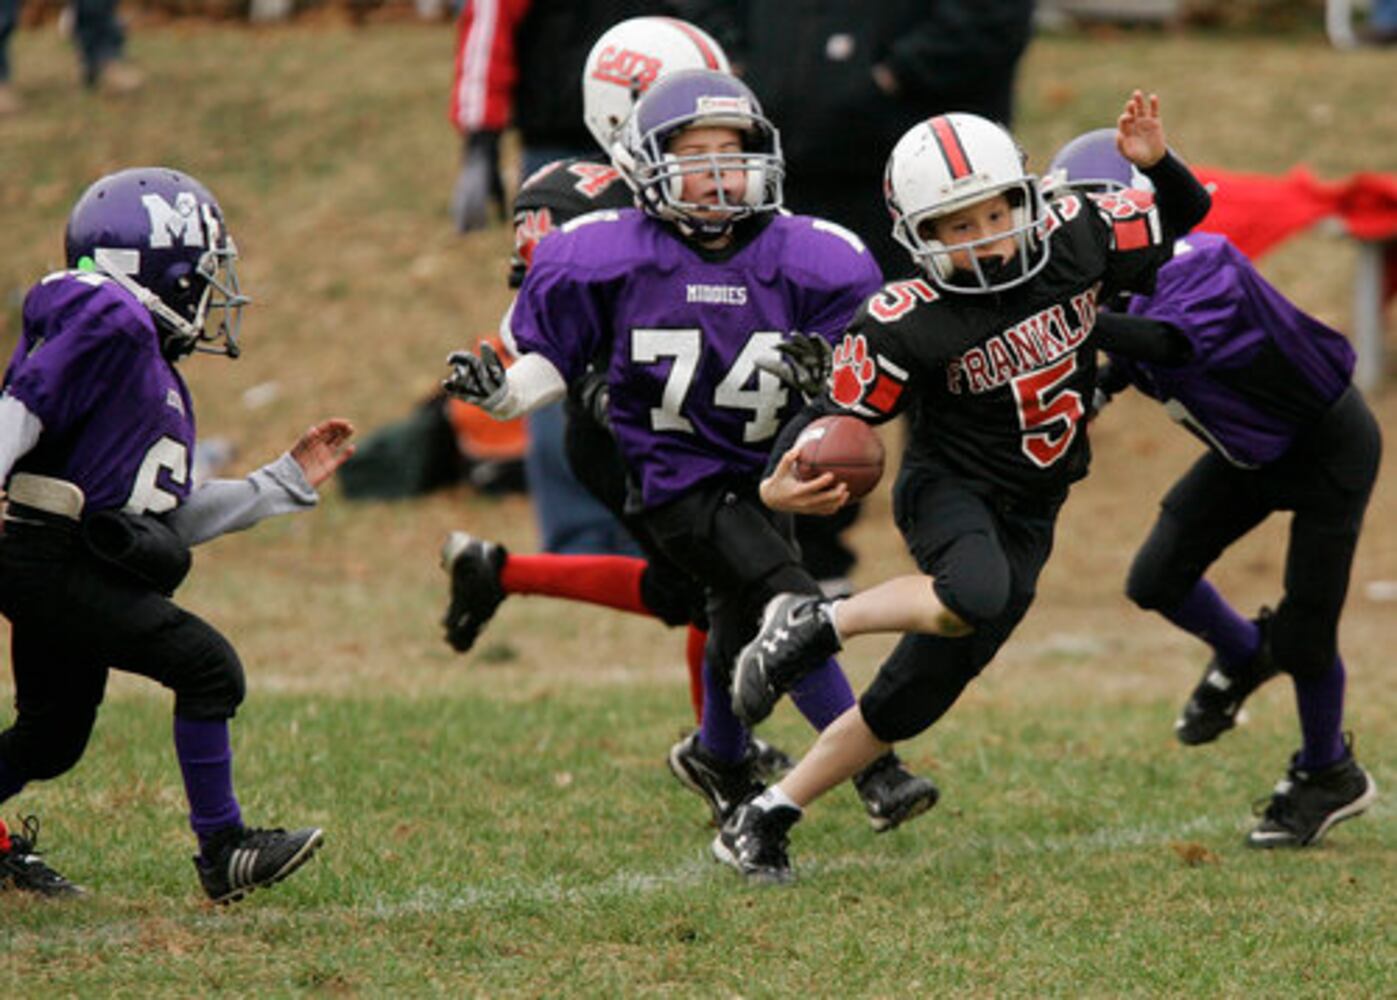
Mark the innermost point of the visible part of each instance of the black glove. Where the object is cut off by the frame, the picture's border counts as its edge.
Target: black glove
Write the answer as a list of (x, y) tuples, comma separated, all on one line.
[(479, 187), (804, 363), (593, 395), (479, 380)]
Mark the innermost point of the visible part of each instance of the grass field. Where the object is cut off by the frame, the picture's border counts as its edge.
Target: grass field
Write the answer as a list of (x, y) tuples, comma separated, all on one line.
[(503, 824)]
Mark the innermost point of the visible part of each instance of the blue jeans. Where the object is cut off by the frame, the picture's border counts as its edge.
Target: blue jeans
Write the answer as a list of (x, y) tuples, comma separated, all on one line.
[(97, 34), (569, 518)]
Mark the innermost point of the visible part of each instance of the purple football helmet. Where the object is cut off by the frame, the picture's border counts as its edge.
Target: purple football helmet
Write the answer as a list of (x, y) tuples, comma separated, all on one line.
[(694, 99), (1091, 164), (160, 235)]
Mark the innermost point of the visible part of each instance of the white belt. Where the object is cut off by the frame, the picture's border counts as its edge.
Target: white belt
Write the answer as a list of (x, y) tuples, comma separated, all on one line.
[(45, 493)]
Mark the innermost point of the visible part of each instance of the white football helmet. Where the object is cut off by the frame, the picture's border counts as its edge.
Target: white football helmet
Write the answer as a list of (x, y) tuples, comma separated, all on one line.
[(632, 55), (948, 163)]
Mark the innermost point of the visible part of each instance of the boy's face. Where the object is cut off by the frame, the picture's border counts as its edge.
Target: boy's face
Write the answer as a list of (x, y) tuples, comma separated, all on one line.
[(980, 221), (702, 187)]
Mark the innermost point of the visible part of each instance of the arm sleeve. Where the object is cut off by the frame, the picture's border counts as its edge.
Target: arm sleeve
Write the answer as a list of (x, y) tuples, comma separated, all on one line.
[(482, 92), (1140, 339), (19, 432), (221, 506), (530, 382), (1183, 201)]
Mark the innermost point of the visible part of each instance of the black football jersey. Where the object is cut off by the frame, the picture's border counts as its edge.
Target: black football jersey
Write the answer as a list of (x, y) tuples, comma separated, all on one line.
[(557, 193), (996, 386)]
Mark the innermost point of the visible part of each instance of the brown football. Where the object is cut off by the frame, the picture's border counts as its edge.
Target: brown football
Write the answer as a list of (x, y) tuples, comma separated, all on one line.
[(844, 446)]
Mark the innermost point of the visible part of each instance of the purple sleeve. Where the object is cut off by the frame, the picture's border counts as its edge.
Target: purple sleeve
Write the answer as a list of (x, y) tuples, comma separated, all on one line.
[(85, 349), (558, 315)]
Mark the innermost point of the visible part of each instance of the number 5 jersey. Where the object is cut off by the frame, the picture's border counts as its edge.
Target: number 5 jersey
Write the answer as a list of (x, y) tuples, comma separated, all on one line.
[(997, 386)]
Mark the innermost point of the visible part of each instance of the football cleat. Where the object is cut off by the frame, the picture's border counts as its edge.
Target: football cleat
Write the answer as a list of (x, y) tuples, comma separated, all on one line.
[(1306, 804), (768, 762), (754, 841), (1212, 708), (795, 637), (474, 567), (723, 785), (21, 868), (240, 859), (891, 794)]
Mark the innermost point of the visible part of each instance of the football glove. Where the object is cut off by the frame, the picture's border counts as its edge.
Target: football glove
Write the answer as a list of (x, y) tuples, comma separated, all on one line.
[(477, 379), (804, 363), (594, 397)]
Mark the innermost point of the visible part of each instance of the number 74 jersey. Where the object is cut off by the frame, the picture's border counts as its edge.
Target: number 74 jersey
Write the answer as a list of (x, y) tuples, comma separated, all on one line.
[(678, 333), (997, 387)]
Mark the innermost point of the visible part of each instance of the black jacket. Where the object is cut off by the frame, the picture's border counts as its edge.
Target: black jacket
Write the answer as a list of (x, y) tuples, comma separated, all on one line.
[(810, 63)]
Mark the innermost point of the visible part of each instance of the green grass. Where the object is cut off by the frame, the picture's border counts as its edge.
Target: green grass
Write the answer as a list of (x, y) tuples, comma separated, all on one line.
[(503, 824), (532, 846)]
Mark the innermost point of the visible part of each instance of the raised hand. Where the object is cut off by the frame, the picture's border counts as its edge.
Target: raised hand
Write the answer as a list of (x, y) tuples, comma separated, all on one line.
[(1140, 130)]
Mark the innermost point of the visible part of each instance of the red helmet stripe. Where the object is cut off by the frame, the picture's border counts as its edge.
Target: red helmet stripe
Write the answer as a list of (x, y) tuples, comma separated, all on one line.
[(951, 149), (710, 58)]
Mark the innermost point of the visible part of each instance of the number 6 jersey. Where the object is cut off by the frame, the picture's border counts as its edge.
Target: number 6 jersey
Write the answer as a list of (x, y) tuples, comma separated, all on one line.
[(117, 418), (997, 386), (678, 330)]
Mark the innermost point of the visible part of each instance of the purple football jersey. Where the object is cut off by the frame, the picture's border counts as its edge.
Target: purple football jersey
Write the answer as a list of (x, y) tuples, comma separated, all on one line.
[(678, 333), (1262, 369), (117, 418)]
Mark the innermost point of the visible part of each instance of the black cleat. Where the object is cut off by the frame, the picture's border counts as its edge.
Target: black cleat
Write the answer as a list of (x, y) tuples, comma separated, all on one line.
[(240, 859), (795, 637), (892, 794), (724, 786), (474, 567), (21, 869), (1306, 804), (1212, 707), (754, 841), (768, 762)]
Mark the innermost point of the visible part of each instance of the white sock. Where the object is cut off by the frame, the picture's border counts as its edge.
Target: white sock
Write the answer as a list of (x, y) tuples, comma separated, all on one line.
[(773, 797), (832, 612)]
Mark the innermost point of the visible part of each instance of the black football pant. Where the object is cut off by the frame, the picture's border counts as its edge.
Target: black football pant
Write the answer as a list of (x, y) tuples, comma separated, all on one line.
[(984, 551), (1325, 478), (740, 551), (670, 593), (72, 619)]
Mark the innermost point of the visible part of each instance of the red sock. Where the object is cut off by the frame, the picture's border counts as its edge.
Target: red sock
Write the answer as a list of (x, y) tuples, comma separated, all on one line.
[(611, 581), (4, 838), (693, 653)]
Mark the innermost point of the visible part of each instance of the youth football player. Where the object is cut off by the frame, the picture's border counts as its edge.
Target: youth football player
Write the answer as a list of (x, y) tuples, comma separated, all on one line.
[(676, 304), (1268, 390), (96, 443), (992, 356)]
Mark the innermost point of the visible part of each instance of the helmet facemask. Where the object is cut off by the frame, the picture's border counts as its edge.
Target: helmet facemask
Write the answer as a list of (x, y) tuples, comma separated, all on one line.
[(984, 274), (700, 99)]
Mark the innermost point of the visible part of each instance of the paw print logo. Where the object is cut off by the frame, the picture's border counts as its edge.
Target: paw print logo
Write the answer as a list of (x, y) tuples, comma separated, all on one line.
[(853, 370)]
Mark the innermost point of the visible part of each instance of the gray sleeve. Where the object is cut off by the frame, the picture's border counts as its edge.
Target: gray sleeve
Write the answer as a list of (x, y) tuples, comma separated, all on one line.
[(223, 505)]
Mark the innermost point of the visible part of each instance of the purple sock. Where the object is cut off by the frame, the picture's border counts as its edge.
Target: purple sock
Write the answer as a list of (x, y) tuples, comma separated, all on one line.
[(720, 732), (823, 695), (1205, 614), (206, 761), (1321, 703), (10, 781)]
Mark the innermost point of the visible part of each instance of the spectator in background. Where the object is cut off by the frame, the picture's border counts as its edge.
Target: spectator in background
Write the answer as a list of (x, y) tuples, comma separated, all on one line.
[(100, 39), (846, 79), (518, 63), (1382, 23)]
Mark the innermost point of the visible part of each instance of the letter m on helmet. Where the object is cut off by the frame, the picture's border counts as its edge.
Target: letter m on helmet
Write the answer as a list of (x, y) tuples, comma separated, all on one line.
[(178, 222)]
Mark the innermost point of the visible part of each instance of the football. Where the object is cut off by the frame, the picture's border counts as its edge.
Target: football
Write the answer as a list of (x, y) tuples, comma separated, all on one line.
[(844, 446)]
